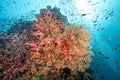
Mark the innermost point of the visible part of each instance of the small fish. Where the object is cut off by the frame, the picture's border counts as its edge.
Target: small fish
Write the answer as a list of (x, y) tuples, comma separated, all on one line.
[(95, 24), (106, 57), (100, 53), (14, 2), (106, 17), (94, 21), (118, 45), (33, 10), (2, 25), (108, 38), (115, 49), (98, 29), (83, 14), (117, 62), (103, 55), (104, 0), (109, 2), (89, 1), (3, 20), (110, 14), (102, 28), (28, 3)]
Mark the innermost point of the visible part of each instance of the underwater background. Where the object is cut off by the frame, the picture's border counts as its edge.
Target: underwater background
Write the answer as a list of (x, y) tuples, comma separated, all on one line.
[(101, 17)]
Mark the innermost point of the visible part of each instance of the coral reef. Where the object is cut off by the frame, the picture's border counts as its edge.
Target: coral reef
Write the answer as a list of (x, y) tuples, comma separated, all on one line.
[(57, 47), (13, 52), (13, 41), (48, 50)]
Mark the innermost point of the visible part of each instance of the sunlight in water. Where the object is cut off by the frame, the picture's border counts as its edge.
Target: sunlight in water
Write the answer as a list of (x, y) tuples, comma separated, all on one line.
[(86, 9), (84, 5)]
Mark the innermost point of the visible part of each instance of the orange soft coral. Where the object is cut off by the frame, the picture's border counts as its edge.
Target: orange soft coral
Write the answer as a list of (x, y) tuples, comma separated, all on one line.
[(77, 48)]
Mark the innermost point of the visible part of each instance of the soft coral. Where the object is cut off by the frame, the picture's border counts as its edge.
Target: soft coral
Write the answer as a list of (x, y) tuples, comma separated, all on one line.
[(59, 46)]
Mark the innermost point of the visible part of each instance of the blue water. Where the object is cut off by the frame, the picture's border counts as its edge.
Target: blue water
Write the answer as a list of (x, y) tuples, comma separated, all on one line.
[(102, 17)]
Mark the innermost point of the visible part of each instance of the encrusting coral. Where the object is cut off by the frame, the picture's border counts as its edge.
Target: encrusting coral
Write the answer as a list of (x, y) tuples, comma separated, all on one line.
[(54, 50)]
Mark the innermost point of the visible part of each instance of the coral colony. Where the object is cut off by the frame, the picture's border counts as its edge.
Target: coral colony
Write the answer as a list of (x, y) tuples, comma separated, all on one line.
[(53, 50)]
